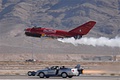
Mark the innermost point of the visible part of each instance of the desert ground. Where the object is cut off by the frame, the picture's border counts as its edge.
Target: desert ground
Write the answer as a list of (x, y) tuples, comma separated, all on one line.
[(90, 68)]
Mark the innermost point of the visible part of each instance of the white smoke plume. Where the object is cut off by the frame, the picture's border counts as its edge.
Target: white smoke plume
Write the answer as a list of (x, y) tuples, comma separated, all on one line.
[(102, 41)]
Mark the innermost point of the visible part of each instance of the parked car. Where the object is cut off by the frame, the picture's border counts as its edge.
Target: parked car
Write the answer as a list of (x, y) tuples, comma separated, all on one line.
[(58, 71)]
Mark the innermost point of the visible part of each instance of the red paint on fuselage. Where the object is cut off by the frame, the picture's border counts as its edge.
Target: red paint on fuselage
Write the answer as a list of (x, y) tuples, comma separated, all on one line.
[(77, 32)]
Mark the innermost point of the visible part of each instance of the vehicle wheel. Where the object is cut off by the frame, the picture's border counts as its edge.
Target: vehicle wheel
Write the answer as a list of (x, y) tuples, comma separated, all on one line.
[(47, 76), (41, 75), (64, 75), (70, 76), (29, 73), (77, 36)]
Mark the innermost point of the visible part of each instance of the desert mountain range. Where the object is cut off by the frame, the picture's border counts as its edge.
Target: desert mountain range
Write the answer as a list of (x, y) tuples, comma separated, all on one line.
[(16, 15)]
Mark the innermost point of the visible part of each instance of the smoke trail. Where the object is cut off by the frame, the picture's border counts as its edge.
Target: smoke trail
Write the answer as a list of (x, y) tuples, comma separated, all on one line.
[(102, 41)]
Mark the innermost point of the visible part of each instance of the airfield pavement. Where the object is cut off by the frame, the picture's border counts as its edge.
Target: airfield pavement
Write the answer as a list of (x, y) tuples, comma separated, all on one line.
[(83, 77)]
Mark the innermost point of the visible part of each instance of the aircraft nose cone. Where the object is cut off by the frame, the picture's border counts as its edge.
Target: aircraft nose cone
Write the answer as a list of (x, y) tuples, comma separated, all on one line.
[(27, 29)]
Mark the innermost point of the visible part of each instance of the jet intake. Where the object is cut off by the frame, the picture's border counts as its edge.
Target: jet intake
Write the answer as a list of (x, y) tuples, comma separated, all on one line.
[(32, 34)]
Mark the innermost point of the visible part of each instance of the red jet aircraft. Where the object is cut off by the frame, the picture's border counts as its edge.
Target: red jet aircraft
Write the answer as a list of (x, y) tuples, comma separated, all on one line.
[(77, 33)]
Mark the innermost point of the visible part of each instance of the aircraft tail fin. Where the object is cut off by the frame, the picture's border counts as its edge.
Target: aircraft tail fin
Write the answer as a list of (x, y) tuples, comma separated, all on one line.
[(83, 29)]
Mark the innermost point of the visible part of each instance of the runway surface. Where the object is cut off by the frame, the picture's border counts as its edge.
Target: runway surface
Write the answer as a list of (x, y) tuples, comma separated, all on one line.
[(59, 78)]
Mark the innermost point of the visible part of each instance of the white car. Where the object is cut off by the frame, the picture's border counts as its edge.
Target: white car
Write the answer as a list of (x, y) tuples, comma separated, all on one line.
[(57, 71)]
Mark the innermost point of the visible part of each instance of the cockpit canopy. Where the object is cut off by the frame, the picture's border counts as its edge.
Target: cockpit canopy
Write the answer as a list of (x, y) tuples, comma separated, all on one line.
[(37, 27)]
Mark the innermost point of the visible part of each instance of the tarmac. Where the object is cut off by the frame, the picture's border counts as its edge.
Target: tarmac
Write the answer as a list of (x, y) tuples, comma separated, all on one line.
[(83, 77)]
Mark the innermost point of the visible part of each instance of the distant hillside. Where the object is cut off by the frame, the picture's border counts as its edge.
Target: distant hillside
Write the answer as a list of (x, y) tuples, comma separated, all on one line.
[(16, 15), (61, 14)]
